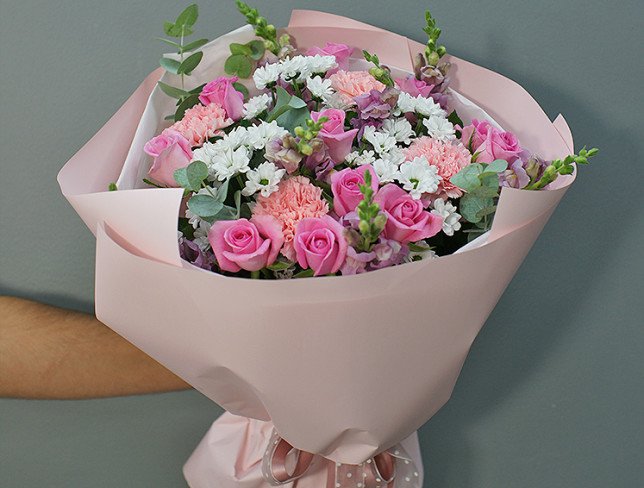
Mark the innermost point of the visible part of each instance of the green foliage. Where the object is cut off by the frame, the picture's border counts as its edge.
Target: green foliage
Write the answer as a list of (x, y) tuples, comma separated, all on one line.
[(243, 58), (380, 73), (263, 29), (172, 91), (433, 51), (191, 177), (481, 182), (211, 207), (184, 105), (372, 221), (112, 187), (562, 167), (289, 111), (190, 63), (183, 25)]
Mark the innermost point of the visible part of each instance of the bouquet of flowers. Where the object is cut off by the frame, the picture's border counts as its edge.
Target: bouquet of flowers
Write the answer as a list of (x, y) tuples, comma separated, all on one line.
[(330, 167), (411, 183)]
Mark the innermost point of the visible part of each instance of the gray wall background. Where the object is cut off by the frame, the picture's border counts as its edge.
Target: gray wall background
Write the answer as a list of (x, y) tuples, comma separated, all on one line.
[(552, 393)]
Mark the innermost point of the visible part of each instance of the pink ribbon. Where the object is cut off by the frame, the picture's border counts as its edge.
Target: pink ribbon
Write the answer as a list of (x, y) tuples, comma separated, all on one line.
[(284, 464)]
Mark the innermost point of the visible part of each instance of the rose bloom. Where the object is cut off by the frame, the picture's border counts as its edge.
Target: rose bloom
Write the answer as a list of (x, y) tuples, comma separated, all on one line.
[(407, 220), (351, 84), (296, 199), (449, 158), (345, 185), (171, 151), (246, 244), (413, 86), (337, 141), (200, 123), (491, 143), (341, 52), (222, 92), (320, 245)]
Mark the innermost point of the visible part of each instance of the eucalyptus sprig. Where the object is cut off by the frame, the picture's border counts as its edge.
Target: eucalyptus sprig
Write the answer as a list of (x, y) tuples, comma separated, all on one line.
[(380, 73), (189, 59), (306, 135), (243, 58), (372, 220), (562, 167), (263, 29), (433, 51)]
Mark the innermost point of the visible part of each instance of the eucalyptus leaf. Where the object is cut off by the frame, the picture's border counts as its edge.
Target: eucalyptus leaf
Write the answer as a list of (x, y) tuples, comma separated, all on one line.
[(171, 65), (196, 172), (486, 211), (243, 49), (189, 16), (237, 198), (187, 103), (222, 191), (198, 89), (194, 45), (190, 63), (226, 213), (171, 43), (257, 49), (181, 177), (307, 273), (172, 91), (497, 166), (239, 65), (279, 266), (490, 180), (296, 102), (467, 178), (170, 29), (471, 205), (205, 206), (484, 192)]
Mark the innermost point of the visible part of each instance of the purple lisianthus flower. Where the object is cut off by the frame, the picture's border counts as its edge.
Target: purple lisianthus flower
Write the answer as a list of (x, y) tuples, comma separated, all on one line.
[(515, 176), (376, 104), (283, 152), (320, 160), (389, 253), (192, 253)]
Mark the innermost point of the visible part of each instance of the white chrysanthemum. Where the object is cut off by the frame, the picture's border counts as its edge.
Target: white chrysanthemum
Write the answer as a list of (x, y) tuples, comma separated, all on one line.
[(235, 139), (395, 156), (451, 219), (358, 159), (439, 128), (205, 153), (381, 142), (319, 64), (226, 164), (428, 107), (418, 177), (386, 170), (263, 179), (256, 105), (421, 251), (406, 103), (400, 129), (319, 87), (261, 134), (266, 75)]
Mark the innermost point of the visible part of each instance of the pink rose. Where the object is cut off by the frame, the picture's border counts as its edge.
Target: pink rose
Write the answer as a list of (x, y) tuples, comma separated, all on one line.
[(407, 220), (345, 185), (246, 244), (335, 138), (490, 142), (413, 86), (222, 92), (320, 245), (171, 151), (341, 52)]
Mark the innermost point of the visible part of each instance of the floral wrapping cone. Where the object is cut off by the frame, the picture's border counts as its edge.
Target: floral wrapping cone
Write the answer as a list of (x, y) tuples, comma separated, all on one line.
[(344, 367)]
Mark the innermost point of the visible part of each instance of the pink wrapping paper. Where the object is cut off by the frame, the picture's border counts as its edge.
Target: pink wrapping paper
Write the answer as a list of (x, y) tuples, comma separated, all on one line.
[(344, 367)]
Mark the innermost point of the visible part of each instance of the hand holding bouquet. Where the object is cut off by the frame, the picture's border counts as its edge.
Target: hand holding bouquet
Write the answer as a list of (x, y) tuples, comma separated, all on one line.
[(411, 182)]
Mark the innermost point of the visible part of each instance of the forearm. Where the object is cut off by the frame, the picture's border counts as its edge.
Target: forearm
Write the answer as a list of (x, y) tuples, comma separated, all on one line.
[(48, 352)]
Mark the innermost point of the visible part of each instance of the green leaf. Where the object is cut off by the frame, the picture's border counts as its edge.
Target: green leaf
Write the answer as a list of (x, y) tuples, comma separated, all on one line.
[(171, 65), (237, 198), (194, 45), (470, 205), (170, 29), (205, 206), (226, 213), (188, 17), (486, 211), (491, 180), (172, 91), (190, 63), (296, 102), (187, 103), (222, 192), (241, 89), (455, 119), (485, 192), (279, 266), (257, 49), (497, 166), (171, 43), (467, 178), (287, 112), (242, 49), (307, 273), (197, 171), (198, 89), (112, 187), (239, 65)]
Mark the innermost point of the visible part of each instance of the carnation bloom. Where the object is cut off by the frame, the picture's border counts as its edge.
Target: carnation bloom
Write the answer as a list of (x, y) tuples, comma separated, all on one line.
[(202, 122), (351, 84), (449, 158), (296, 199)]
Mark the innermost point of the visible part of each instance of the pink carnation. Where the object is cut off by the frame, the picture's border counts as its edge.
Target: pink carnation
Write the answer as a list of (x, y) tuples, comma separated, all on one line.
[(351, 84), (295, 199), (447, 157), (200, 123)]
